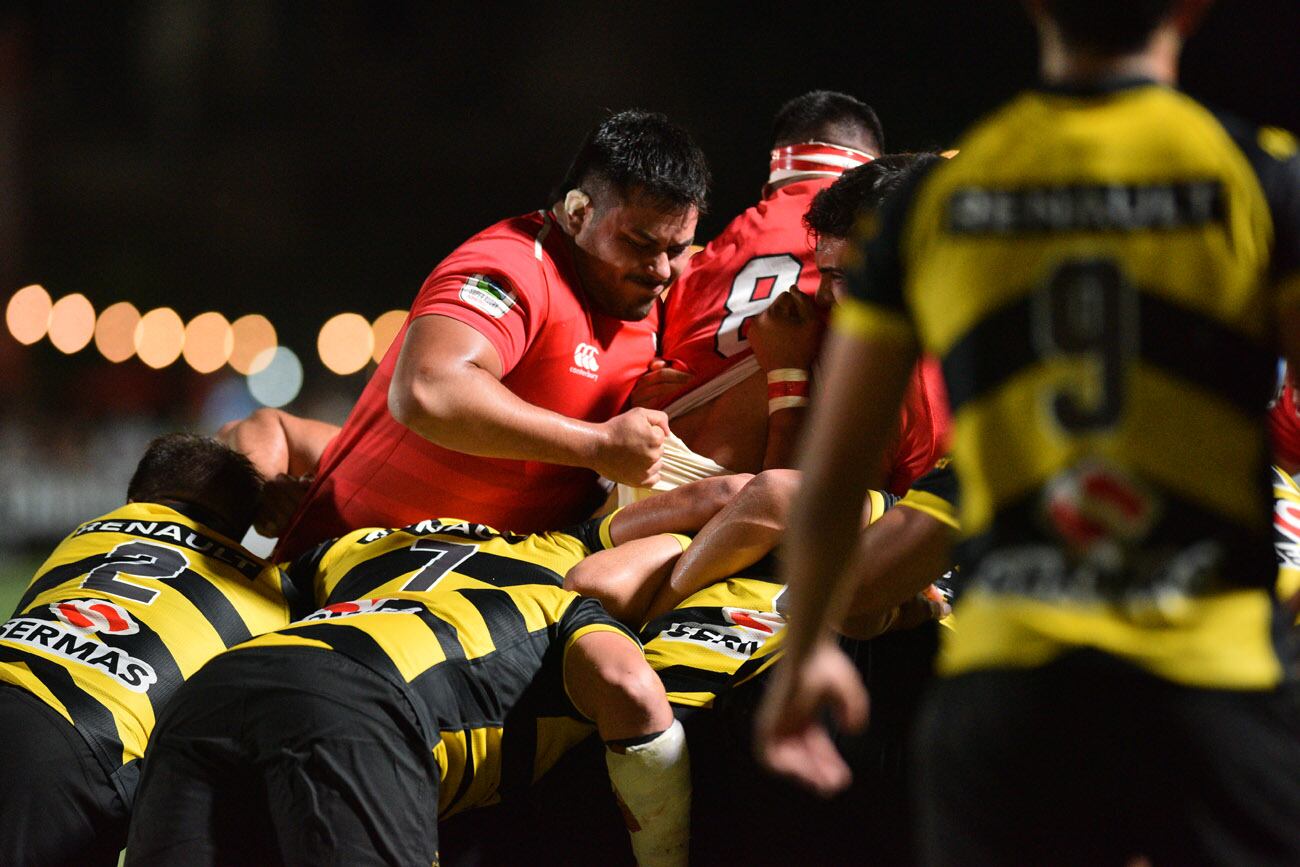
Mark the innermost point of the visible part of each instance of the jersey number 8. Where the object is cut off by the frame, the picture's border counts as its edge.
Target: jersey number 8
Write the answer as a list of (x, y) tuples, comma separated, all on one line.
[(755, 285)]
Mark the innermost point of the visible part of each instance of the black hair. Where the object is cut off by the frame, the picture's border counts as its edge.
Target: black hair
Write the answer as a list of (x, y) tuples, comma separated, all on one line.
[(822, 115), (202, 472), (834, 210), (1107, 27), (642, 152)]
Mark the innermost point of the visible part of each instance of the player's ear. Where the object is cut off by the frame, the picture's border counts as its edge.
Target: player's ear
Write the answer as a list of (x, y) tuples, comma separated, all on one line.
[(577, 210)]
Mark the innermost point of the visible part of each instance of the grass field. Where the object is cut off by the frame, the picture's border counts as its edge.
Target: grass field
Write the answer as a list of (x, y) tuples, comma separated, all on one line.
[(15, 571)]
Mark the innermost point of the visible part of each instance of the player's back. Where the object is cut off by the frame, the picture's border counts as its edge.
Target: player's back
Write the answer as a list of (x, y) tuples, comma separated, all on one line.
[(125, 609), (1091, 271)]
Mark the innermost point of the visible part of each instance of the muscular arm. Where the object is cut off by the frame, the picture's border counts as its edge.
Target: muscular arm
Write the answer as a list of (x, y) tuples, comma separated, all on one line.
[(896, 558), (279, 443), (447, 388)]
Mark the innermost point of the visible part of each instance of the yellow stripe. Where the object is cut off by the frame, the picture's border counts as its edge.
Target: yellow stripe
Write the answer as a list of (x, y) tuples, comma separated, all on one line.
[(18, 674), (859, 319), (1008, 444), (275, 639), (877, 501), (930, 504), (1223, 641), (605, 540)]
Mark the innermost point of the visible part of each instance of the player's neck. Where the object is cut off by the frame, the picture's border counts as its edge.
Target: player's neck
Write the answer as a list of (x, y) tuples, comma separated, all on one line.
[(1157, 61)]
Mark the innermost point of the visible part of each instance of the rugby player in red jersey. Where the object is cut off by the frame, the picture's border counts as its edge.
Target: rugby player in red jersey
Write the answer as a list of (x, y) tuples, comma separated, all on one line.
[(501, 394)]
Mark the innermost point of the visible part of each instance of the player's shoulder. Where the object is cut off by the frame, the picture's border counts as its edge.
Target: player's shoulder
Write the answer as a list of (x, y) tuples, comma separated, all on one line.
[(511, 248)]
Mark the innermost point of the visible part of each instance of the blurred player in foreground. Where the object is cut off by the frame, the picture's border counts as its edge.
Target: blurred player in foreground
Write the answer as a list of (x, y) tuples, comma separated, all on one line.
[(1104, 271), (446, 669), (125, 609), (499, 399)]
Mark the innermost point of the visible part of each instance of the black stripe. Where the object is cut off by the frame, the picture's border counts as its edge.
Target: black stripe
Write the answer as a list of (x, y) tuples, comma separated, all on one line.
[(58, 575), (1248, 557), (446, 634), (990, 353), (518, 753), (362, 580), (1195, 348), (705, 615), (354, 643), (505, 622), (93, 720), (215, 607), (467, 773), (687, 678)]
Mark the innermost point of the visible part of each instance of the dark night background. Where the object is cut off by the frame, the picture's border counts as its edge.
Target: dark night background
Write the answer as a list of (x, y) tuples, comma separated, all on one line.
[(301, 159)]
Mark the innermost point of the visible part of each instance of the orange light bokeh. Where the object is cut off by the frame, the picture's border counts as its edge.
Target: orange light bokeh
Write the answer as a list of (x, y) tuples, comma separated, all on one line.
[(386, 328), (72, 323), (115, 331), (209, 340), (159, 337), (28, 314), (253, 335), (345, 343)]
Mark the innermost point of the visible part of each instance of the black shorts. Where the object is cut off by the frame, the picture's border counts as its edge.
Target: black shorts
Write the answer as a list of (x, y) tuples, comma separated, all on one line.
[(57, 803), (287, 756), (1090, 760)]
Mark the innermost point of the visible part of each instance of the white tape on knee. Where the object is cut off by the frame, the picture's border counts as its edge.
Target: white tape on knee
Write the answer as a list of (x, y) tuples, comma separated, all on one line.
[(653, 783)]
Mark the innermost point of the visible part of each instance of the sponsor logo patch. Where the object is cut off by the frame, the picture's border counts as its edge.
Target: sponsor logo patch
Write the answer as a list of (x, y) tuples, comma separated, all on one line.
[(585, 362), (366, 606), (71, 637), (749, 631), (483, 293)]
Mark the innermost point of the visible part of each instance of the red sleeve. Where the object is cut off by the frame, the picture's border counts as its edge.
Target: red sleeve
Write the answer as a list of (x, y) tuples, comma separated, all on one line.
[(494, 285), (1284, 425)]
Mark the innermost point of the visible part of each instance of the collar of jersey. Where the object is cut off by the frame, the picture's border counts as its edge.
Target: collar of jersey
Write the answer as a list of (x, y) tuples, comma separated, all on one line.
[(1100, 87)]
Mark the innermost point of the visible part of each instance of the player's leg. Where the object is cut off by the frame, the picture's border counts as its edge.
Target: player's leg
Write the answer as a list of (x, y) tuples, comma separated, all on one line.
[(57, 805), (610, 682)]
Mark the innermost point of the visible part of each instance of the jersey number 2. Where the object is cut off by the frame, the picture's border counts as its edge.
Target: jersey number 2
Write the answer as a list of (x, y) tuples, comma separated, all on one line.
[(755, 285), (1088, 309), (135, 560)]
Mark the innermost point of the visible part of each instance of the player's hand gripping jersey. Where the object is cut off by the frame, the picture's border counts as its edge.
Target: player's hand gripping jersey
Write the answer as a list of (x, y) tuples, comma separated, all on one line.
[(514, 283), (1101, 306), (125, 609)]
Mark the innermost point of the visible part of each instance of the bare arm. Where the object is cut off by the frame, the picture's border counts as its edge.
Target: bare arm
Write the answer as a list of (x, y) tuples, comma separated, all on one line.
[(786, 335), (625, 578), (682, 510), (279, 443), (447, 388)]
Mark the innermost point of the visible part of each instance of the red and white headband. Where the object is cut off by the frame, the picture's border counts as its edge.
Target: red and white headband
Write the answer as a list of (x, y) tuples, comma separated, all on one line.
[(814, 159)]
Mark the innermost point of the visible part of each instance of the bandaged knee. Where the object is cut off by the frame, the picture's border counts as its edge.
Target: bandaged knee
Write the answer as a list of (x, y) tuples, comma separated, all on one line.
[(652, 781)]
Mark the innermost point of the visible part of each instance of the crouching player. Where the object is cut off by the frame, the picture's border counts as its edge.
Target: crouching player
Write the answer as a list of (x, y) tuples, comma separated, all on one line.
[(447, 669), (124, 610)]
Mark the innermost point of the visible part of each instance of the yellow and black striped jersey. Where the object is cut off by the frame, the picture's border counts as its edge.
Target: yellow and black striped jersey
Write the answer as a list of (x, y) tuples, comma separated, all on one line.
[(125, 609), (1097, 271), (1286, 532), (481, 665), (446, 554)]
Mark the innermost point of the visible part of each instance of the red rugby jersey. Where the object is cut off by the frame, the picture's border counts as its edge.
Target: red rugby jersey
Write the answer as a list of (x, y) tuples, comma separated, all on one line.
[(760, 254), (514, 283), (1284, 425)]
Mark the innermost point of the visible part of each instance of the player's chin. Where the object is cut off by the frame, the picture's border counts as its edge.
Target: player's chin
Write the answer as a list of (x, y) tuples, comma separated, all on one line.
[(636, 309)]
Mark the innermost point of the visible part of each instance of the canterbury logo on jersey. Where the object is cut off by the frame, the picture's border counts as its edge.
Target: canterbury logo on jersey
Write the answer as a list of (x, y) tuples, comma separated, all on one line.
[(1086, 207), (178, 534), (584, 361), (72, 642), (366, 606), (749, 631)]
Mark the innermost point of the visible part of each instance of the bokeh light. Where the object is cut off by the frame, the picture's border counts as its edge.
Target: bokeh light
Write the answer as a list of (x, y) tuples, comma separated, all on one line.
[(209, 340), (115, 331), (385, 329), (254, 335), (72, 323), (159, 337), (28, 314), (278, 378), (345, 343)]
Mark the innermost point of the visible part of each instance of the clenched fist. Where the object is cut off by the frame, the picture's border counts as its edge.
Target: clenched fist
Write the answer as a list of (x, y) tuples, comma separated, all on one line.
[(632, 447)]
